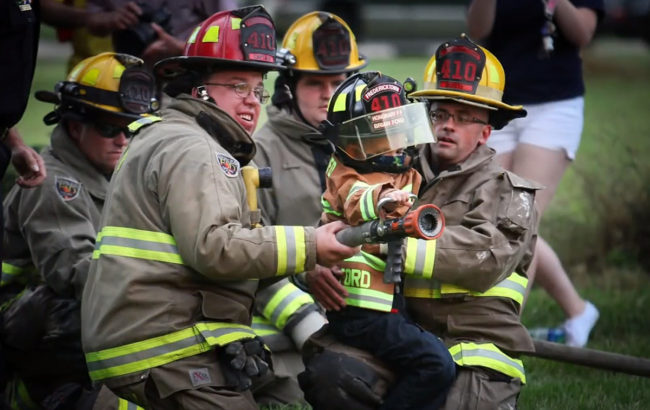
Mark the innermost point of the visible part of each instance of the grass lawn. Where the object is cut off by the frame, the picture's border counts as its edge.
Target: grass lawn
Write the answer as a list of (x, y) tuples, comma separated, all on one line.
[(599, 223)]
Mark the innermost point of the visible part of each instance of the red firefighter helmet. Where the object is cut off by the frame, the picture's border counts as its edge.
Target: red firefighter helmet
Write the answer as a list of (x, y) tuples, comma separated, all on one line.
[(240, 38)]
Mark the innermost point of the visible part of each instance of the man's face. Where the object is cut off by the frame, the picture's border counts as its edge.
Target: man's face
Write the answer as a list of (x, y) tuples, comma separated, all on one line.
[(313, 93), (244, 108), (457, 140), (102, 152)]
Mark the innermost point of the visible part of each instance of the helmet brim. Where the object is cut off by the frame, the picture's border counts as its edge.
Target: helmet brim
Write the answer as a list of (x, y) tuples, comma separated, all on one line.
[(83, 111), (173, 67)]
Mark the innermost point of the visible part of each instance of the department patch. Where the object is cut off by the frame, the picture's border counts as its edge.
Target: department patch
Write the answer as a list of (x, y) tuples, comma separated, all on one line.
[(68, 189), (229, 165), (200, 376)]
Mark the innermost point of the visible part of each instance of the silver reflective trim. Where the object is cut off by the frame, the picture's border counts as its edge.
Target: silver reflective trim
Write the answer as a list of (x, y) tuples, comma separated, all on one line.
[(290, 237), (137, 244), (277, 312), (144, 354), (488, 354), (421, 256)]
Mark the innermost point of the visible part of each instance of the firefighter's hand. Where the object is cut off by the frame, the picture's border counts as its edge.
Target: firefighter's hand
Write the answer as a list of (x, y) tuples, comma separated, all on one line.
[(244, 360), (164, 46), (326, 288), (121, 18), (27, 162), (328, 249)]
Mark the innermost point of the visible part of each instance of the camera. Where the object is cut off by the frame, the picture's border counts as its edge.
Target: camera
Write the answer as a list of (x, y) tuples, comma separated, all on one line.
[(135, 40)]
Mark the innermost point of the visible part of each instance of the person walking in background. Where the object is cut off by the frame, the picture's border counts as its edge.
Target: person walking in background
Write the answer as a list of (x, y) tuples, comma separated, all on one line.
[(539, 42)]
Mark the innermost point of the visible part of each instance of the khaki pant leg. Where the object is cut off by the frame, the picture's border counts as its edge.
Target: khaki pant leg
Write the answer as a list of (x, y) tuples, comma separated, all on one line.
[(194, 382), (482, 389)]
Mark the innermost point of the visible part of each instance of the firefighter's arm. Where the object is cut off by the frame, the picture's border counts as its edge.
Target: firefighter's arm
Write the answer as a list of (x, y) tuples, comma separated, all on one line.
[(290, 309), (60, 235), (486, 244), (208, 219)]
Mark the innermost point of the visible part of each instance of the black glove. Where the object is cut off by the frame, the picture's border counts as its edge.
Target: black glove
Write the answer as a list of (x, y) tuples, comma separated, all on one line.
[(242, 360), (334, 381)]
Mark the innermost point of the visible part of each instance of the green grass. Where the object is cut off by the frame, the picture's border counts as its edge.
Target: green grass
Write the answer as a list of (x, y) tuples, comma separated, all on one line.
[(599, 223)]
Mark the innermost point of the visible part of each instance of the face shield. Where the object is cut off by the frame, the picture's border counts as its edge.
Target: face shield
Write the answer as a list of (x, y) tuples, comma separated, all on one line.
[(384, 131)]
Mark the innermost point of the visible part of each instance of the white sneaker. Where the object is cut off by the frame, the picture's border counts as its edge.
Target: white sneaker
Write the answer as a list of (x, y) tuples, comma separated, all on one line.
[(577, 328)]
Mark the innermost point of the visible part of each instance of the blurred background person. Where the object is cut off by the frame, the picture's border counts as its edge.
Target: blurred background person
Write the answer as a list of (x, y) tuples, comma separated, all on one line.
[(155, 29), (539, 42)]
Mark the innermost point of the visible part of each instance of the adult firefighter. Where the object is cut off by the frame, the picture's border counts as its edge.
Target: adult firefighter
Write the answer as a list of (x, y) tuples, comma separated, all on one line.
[(50, 230), (292, 145), (166, 309), (467, 287)]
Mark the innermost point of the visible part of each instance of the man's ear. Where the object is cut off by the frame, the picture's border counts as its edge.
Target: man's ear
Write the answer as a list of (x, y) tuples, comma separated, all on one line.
[(485, 134), (75, 129)]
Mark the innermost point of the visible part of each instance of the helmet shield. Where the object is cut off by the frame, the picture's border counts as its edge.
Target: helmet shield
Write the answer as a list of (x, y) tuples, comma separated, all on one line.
[(384, 131)]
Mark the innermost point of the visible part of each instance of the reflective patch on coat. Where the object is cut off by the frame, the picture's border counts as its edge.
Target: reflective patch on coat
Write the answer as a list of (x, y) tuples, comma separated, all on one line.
[(228, 165), (68, 189)]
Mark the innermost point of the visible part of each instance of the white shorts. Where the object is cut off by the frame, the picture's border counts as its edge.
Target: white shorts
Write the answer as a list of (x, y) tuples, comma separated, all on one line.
[(554, 125)]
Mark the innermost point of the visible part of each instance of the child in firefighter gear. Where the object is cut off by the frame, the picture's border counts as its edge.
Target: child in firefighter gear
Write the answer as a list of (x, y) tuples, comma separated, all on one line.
[(468, 286), (175, 269), (291, 144), (50, 230), (372, 125)]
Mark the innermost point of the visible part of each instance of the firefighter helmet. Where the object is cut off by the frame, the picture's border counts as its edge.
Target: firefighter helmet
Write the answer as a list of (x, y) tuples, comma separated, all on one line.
[(369, 115), (321, 43), (109, 87), (240, 38), (465, 72)]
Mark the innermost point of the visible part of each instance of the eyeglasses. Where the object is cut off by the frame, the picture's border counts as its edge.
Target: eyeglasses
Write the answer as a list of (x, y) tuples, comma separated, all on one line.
[(440, 116), (109, 130), (244, 90)]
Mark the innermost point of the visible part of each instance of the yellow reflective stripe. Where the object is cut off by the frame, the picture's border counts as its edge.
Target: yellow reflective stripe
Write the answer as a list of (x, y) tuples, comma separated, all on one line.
[(127, 405), (407, 188), (11, 272), (369, 299), (284, 303), (211, 35), (192, 38), (420, 257), (513, 287), (327, 207), (355, 187), (140, 122), (487, 355), (235, 23), (330, 167), (137, 243), (367, 205), (339, 104), (20, 398), (369, 259), (146, 354), (263, 327), (292, 253)]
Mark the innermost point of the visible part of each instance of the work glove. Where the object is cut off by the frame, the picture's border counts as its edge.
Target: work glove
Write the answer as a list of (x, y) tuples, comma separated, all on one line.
[(244, 360), (333, 381)]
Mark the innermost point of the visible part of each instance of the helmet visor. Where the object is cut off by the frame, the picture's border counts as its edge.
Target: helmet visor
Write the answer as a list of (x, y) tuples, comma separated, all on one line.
[(385, 131)]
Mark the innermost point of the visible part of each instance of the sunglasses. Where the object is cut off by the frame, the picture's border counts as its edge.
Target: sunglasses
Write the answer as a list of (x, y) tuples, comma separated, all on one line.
[(109, 130)]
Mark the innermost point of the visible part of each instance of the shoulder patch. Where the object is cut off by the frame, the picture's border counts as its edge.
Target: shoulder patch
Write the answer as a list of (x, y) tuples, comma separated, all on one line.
[(228, 165), (67, 188), (523, 183)]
